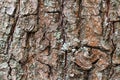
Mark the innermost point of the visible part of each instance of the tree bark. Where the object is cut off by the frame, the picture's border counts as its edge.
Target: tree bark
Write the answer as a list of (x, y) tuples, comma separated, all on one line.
[(59, 40)]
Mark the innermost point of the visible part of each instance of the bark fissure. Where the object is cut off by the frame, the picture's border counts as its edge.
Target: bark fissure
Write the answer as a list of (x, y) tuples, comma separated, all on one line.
[(15, 16), (10, 36)]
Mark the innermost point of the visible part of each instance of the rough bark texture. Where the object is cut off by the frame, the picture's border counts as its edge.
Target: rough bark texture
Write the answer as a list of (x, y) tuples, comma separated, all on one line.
[(59, 39)]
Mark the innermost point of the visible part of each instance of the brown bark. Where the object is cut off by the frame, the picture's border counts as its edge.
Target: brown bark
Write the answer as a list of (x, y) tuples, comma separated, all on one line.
[(59, 39)]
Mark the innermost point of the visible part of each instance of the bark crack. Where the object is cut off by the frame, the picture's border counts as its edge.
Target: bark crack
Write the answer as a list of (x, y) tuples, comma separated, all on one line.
[(10, 37)]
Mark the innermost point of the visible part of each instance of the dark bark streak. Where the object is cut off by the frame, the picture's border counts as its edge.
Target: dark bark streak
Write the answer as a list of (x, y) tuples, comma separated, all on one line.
[(38, 12), (10, 69), (26, 15), (108, 7), (113, 21), (61, 27), (110, 38), (49, 47), (79, 17), (10, 37), (61, 23), (65, 65), (57, 11), (79, 12), (113, 49), (97, 47)]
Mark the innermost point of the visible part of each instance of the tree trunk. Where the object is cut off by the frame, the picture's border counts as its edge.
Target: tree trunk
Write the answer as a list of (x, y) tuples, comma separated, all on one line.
[(59, 40)]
